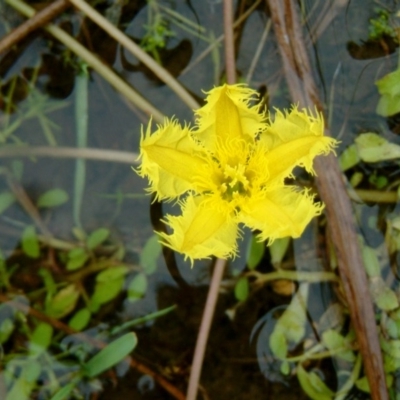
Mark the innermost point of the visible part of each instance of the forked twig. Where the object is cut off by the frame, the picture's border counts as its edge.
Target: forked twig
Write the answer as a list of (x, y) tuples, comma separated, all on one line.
[(333, 192)]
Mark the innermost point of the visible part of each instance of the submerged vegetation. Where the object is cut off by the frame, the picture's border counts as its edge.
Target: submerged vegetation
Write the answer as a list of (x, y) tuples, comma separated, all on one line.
[(91, 305)]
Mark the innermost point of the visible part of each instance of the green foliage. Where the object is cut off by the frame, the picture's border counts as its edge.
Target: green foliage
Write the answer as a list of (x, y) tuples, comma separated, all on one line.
[(111, 355), (389, 89), (255, 252), (313, 385), (97, 237), (52, 198), (150, 254), (137, 287), (30, 242), (242, 289), (381, 25), (6, 200)]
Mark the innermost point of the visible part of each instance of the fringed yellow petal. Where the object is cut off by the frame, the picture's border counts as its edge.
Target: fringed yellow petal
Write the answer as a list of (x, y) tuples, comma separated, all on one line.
[(171, 160), (282, 212), (228, 115), (295, 138), (203, 230)]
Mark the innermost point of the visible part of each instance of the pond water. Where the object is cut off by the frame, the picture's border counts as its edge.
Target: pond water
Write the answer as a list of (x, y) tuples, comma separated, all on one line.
[(78, 252)]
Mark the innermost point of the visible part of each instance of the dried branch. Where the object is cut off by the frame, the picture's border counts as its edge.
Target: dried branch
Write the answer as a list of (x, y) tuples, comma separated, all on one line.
[(333, 191)]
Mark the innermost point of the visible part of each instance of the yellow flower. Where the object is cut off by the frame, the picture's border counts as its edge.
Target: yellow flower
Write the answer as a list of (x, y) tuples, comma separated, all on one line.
[(232, 167)]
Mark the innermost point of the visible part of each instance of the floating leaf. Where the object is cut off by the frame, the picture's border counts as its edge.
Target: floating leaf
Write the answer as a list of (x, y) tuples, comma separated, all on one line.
[(6, 329), (374, 148), (389, 88), (255, 252), (6, 200), (242, 289), (111, 355), (63, 302), (76, 258), (53, 198), (80, 319), (105, 292), (278, 344), (40, 339), (334, 341), (278, 249), (363, 384), (64, 392), (349, 158), (371, 262), (97, 237), (112, 273), (30, 243), (313, 385), (150, 254), (137, 287)]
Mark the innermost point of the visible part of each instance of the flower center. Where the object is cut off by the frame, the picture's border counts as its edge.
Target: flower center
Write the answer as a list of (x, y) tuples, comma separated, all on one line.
[(234, 182)]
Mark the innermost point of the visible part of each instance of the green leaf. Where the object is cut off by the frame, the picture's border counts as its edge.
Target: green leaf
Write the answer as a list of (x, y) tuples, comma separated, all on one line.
[(6, 329), (17, 168), (389, 88), (30, 243), (53, 198), (285, 368), (386, 299), (334, 341), (312, 385), (137, 287), (112, 273), (111, 355), (97, 237), (80, 319), (371, 261), (76, 258), (41, 338), (255, 252), (278, 249), (105, 292), (349, 158), (278, 344), (63, 302), (242, 289), (149, 255), (363, 384), (64, 392), (374, 148), (6, 200)]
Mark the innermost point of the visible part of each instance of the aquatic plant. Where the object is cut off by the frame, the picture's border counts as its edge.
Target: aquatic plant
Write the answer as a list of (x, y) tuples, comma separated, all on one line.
[(232, 167)]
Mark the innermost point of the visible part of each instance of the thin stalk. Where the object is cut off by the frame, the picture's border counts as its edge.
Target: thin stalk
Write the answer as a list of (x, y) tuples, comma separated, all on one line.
[(220, 38), (124, 157), (81, 126), (260, 46), (310, 277), (204, 331), (230, 67), (219, 268), (93, 61), (125, 41)]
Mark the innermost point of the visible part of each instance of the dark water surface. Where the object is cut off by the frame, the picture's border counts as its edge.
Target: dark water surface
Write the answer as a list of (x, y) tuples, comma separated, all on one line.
[(39, 92)]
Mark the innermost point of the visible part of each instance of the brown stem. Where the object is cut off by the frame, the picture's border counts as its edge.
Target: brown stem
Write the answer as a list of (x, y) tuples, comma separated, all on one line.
[(55, 323), (333, 191), (38, 20), (230, 68)]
